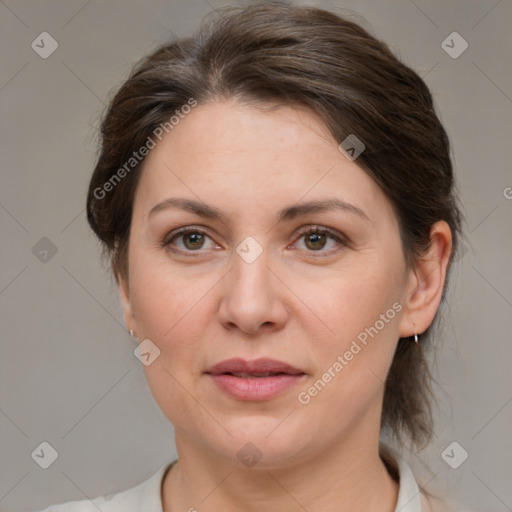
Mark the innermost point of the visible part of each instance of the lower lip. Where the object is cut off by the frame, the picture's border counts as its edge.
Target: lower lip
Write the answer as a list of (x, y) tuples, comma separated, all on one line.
[(257, 388)]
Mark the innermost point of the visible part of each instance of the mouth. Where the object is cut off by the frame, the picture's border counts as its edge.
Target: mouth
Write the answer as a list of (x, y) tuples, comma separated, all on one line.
[(254, 375), (262, 367), (257, 380)]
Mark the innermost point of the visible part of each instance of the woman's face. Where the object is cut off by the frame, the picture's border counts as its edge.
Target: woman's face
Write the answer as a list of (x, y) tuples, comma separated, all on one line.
[(255, 285)]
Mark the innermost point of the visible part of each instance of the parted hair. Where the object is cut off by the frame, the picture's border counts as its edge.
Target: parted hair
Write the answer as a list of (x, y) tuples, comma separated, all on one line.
[(275, 53)]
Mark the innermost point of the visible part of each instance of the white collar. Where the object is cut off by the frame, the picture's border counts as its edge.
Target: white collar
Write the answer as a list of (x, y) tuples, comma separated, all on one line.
[(409, 497), (147, 495)]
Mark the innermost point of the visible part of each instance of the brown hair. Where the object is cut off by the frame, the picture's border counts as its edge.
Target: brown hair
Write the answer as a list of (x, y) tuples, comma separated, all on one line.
[(274, 53)]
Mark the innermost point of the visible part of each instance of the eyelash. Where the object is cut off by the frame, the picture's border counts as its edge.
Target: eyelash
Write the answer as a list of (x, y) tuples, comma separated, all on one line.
[(300, 233)]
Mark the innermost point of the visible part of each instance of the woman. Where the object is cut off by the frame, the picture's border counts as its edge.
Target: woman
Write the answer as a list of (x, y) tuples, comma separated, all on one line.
[(276, 196)]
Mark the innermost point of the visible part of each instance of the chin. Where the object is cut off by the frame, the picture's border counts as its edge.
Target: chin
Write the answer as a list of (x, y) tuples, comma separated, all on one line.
[(265, 444)]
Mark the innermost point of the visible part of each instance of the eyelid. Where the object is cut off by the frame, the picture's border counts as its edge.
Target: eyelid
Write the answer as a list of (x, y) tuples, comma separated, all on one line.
[(183, 231), (340, 238)]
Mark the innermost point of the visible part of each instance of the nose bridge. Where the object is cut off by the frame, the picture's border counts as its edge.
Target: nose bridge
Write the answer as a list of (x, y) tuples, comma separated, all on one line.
[(250, 297), (250, 270)]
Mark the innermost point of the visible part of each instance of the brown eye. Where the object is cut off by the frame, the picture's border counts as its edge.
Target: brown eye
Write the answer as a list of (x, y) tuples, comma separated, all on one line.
[(317, 238), (315, 241), (193, 240)]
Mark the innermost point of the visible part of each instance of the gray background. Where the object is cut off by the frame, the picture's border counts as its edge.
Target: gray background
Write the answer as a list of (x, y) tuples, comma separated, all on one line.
[(68, 373)]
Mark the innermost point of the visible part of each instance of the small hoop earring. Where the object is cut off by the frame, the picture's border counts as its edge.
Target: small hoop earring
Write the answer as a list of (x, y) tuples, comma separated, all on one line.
[(415, 338)]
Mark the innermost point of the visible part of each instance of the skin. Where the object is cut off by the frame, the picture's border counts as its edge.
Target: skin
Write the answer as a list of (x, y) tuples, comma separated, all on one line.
[(301, 301)]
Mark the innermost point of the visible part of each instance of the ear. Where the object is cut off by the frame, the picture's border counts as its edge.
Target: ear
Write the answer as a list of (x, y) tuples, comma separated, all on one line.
[(124, 293), (426, 282)]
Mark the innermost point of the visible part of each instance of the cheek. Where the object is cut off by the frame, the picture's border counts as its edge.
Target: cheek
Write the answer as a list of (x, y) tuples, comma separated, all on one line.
[(163, 296), (173, 309), (355, 300), (167, 310), (351, 366), (361, 307)]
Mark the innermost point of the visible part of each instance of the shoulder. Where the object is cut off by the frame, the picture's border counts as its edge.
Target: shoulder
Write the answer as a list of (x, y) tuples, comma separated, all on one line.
[(412, 497), (144, 496), (433, 504)]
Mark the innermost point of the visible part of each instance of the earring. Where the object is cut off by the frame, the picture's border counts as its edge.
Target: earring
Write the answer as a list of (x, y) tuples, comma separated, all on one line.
[(415, 338), (131, 333)]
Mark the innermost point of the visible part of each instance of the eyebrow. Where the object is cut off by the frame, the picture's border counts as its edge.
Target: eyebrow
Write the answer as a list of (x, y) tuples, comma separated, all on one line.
[(286, 214)]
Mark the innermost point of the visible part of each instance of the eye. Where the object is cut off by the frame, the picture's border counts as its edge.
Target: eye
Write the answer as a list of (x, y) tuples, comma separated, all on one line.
[(193, 239), (316, 238)]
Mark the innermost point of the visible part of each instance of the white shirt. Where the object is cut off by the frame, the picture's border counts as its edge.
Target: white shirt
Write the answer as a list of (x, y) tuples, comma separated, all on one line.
[(146, 497)]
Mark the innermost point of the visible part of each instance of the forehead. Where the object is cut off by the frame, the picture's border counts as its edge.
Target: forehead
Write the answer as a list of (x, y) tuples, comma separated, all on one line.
[(229, 153)]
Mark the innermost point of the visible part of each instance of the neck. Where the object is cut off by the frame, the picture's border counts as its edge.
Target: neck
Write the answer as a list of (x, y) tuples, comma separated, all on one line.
[(347, 477)]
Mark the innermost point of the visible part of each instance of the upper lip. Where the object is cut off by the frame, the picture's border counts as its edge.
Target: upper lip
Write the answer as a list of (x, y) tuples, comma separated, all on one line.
[(263, 365)]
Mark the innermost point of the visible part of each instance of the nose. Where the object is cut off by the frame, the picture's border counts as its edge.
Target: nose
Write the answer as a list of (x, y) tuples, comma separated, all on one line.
[(253, 296)]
